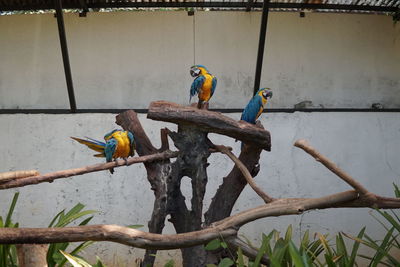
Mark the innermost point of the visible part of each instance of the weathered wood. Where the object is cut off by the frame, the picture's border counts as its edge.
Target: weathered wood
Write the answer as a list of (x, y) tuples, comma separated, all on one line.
[(194, 147), (50, 177), (209, 121), (225, 198), (8, 176), (225, 228), (157, 174), (32, 255)]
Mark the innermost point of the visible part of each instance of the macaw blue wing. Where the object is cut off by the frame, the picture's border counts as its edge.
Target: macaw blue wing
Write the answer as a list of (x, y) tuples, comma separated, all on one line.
[(214, 85), (251, 110), (109, 150), (196, 85), (133, 143), (108, 135)]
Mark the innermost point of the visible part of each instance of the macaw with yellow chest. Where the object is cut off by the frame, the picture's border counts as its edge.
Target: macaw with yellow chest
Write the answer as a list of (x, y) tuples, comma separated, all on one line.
[(203, 85), (256, 105), (118, 144)]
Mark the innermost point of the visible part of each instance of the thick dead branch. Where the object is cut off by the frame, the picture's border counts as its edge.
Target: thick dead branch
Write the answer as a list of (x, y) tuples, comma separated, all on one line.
[(303, 144), (8, 176), (225, 228), (158, 174), (209, 121), (50, 177), (246, 173), (32, 255)]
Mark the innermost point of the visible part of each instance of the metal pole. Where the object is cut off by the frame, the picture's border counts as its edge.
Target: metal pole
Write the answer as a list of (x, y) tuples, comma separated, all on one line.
[(64, 51), (261, 44)]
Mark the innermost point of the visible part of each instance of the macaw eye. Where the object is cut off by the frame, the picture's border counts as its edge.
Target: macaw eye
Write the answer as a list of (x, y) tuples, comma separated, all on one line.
[(194, 72)]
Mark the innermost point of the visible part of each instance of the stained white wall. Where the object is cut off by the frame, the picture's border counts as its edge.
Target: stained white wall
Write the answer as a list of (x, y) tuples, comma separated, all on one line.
[(364, 144), (127, 59)]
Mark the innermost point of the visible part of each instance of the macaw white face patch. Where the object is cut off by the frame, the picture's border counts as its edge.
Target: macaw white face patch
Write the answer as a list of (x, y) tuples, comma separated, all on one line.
[(194, 71)]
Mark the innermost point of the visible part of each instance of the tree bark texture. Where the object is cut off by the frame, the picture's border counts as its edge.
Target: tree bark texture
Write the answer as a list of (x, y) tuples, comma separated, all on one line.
[(194, 149), (210, 122), (158, 174), (32, 255)]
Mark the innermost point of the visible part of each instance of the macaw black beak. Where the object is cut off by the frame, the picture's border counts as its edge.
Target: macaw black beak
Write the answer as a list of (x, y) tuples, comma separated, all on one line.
[(269, 94), (194, 72)]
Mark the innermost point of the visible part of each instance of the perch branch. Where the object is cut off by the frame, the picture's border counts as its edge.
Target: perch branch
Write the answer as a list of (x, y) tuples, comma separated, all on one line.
[(8, 176), (225, 228), (50, 177), (303, 144), (209, 121), (245, 172)]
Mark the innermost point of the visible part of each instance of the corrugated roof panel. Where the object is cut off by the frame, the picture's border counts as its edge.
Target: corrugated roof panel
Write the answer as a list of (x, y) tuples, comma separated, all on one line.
[(374, 6)]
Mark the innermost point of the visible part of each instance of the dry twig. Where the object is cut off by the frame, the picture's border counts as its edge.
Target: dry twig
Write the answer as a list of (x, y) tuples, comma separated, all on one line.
[(245, 172)]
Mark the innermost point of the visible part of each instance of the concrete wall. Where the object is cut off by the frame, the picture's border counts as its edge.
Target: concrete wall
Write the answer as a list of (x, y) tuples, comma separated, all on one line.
[(127, 59), (364, 144)]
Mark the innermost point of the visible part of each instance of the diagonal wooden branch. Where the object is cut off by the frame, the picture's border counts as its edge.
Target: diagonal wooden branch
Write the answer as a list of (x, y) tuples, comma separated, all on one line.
[(209, 121), (245, 172), (303, 144), (50, 177)]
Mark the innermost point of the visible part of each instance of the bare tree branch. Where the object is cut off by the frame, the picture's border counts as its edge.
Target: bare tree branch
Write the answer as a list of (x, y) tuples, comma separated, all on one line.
[(245, 172), (225, 228), (303, 144), (50, 177)]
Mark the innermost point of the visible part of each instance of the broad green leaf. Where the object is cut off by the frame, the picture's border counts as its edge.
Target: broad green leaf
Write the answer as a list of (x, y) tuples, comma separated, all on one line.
[(11, 210), (355, 248), (55, 218), (76, 262), (86, 221), (295, 255), (99, 263), (396, 190), (211, 265), (224, 245), (240, 258), (341, 251), (326, 246), (288, 235), (262, 250), (226, 262), (213, 244)]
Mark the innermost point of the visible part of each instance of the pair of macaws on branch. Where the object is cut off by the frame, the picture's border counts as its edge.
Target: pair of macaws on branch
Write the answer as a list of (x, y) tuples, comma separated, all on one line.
[(204, 86), (122, 144)]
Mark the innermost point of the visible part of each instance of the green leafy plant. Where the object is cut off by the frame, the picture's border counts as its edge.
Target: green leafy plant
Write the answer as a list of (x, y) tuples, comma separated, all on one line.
[(8, 253), (78, 262), (62, 219)]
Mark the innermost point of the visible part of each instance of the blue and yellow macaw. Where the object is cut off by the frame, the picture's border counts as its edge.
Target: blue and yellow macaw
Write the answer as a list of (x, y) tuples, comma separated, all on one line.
[(119, 144), (256, 105), (203, 85)]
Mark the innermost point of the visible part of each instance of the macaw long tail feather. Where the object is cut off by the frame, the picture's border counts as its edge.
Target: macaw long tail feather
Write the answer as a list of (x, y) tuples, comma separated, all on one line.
[(97, 146)]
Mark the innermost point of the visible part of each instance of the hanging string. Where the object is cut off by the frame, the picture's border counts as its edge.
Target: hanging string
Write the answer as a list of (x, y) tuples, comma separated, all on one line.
[(194, 39)]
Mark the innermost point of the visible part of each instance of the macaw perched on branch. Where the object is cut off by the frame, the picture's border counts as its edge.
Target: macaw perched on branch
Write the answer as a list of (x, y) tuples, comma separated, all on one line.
[(203, 85), (256, 105), (119, 144)]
